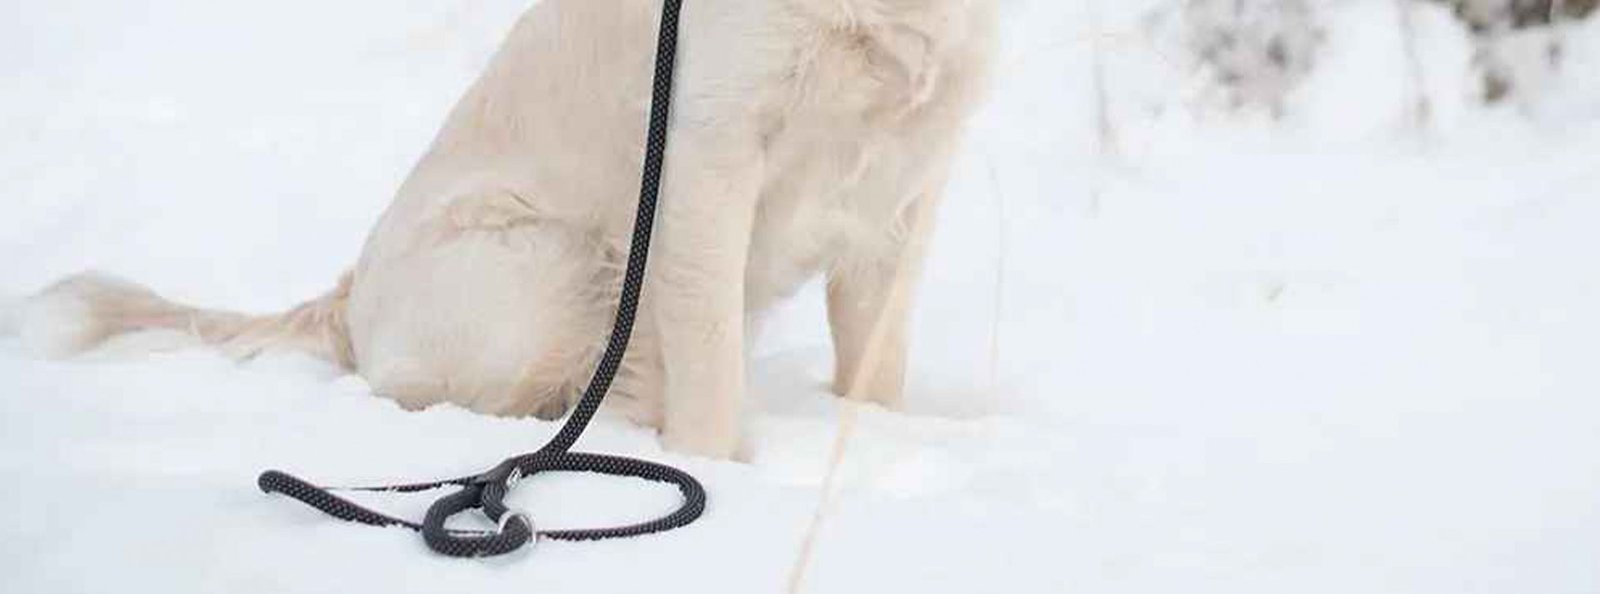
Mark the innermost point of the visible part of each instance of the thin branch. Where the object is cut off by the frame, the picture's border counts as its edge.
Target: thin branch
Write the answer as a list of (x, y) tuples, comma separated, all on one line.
[(1421, 109)]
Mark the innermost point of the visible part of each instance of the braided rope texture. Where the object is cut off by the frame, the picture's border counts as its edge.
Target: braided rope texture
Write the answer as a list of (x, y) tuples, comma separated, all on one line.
[(486, 492)]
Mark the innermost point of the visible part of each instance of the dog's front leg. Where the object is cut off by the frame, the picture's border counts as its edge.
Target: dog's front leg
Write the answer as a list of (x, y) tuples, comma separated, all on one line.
[(869, 310), (712, 185)]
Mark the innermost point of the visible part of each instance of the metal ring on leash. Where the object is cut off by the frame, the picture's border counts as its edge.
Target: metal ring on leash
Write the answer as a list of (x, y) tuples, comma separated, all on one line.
[(516, 515), (486, 492)]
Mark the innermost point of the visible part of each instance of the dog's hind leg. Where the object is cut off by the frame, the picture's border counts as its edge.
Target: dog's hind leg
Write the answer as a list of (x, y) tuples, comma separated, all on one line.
[(485, 305)]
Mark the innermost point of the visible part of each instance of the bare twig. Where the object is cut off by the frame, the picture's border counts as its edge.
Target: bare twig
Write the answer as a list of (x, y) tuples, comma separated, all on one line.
[(1002, 249), (1105, 129), (898, 301), (1421, 109)]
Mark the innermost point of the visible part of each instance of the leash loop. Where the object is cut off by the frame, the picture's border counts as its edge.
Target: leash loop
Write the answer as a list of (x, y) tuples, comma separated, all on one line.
[(486, 492)]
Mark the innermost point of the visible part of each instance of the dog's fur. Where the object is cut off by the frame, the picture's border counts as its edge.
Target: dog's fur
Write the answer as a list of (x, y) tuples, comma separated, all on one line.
[(808, 136)]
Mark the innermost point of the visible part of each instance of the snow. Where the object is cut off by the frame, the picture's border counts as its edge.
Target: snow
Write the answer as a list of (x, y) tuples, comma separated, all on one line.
[(1331, 353)]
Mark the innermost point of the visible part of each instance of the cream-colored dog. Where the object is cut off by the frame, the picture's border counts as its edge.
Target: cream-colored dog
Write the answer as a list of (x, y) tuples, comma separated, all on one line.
[(809, 136)]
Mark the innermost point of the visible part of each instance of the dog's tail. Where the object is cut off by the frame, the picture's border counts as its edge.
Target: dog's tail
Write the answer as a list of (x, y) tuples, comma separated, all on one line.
[(87, 311)]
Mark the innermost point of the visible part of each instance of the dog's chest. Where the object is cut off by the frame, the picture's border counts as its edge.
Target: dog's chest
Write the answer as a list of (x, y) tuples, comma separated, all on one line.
[(855, 141)]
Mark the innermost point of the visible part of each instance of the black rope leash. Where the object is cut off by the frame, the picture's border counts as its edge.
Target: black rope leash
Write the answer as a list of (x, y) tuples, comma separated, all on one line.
[(486, 492)]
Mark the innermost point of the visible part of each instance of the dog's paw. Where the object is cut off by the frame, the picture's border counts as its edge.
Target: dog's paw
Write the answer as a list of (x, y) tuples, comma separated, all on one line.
[(717, 445)]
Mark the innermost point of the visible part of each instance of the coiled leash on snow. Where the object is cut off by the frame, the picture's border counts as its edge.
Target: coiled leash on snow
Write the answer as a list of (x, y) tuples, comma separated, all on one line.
[(486, 492)]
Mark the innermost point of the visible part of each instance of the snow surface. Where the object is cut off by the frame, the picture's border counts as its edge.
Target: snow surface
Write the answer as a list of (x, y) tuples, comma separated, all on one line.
[(1332, 353)]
